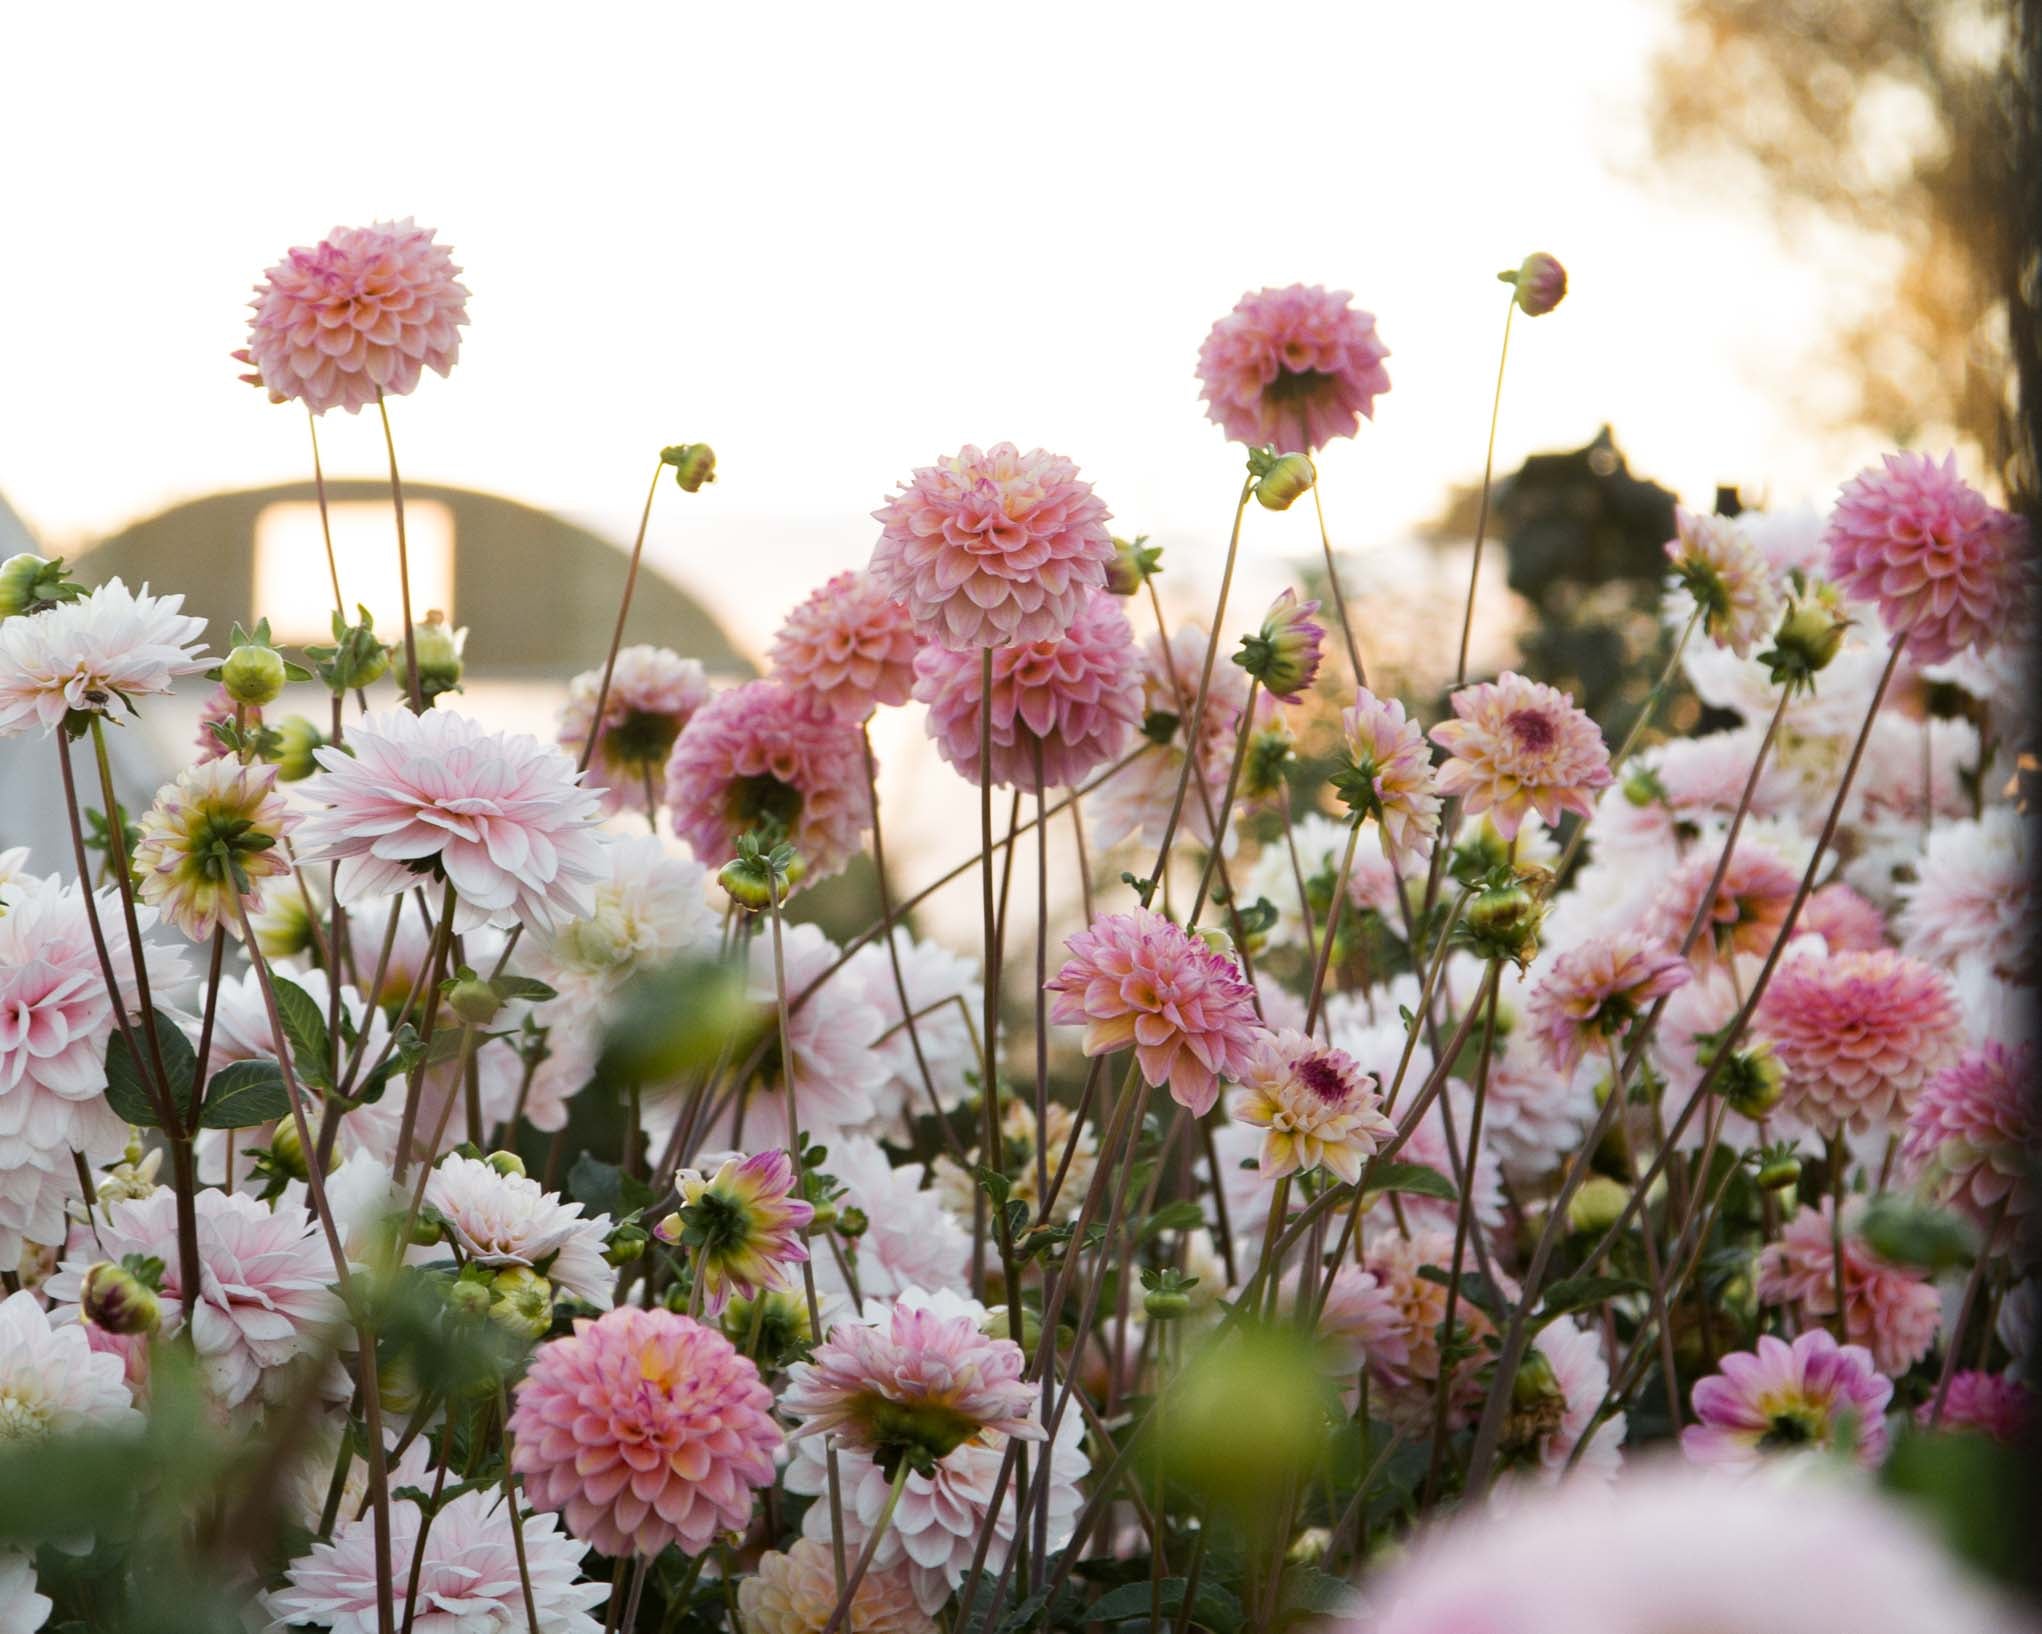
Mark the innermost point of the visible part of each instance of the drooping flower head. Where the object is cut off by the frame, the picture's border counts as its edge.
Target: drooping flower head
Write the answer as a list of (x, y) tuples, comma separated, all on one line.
[(1538, 284), (1971, 1135), (1388, 774), (742, 1226), (1517, 746), (1293, 367), (1313, 1105), (1075, 701), (795, 1593), (1596, 990), (644, 1428), (1784, 1398), (991, 547), (1936, 556), (95, 653), (1859, 1034), (1135, 979), (653, 694), (210, 837), (1892, 1310), (1727, 576), (1284, 653), (850, 647), (756, 757), (356, 317)]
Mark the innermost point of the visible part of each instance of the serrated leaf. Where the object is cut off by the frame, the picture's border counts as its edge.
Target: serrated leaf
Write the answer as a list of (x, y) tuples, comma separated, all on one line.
[(1578, 1293), (305, 1027), (1413, 1178), (127, 1085), (245, 1094)]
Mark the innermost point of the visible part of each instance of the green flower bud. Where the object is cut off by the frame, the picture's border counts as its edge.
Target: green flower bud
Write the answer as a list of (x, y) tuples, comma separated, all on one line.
[(470, 1297), (296, 739), (523, 1302), (1752, 1081), (1132, 566), (29, 583), (474, 1000), (1780, 1172), (114, 1298), (852, 1223), (1541, 284), (693, 463), (1166, 1304), (1286, 481), (1597, 1205), (253, 674), (1808, 638), (439, 655), (287, 1152), (626, 1244), (1537, 1404), (1502, 922)]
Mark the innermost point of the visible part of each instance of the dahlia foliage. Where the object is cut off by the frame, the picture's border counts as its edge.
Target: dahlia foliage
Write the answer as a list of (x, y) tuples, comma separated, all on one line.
[(1457, 1167)]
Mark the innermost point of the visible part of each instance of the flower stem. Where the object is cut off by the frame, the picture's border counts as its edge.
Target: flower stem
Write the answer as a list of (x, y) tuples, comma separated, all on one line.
[(1482, 510), (403, 561), (872, 1542), (595, 728)]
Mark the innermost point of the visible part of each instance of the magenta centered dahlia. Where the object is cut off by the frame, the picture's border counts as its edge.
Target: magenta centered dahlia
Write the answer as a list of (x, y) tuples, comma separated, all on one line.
[(1859, 1034), (992, 547), (653, 694), (1785, 1397), (1930, 549), (1388, 774), (1074, 702), (1595, 990), (1314, 1106), (1971, 1135), (850, 647), (1293, 367), (1137, 979), (644, 1428), (1892, 1310), (1518, 746), (356, 317)]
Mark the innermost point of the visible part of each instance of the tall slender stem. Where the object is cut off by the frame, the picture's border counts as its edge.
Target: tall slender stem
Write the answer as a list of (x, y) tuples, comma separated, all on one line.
[(403, 562), (1333, 584), (595, 727), (1482, 511)]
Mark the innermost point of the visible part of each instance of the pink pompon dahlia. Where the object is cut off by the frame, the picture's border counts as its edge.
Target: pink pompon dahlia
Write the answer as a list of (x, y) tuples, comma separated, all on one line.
[(850, 647), (757, 756), (1293, 367), (1972, 1135), (1388, 775), (1314, 1106), (1747, 912), (356, 317), (1845, 921), (992, 547), (1892, 1310), (497, 815), (795, 1593), (644, 1428), (916, 1388), (1074, 702), (104, 649), (1991, 1404), (653, 694), (1784, 1397), (1859, 1034), (211, 837), (1728, 577), (1595, 990), (741, 1225), (1518, 745), (1137, 979), (1939, 559)]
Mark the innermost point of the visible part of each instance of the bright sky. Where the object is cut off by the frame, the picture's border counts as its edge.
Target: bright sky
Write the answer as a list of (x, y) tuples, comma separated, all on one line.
[(837, 241)]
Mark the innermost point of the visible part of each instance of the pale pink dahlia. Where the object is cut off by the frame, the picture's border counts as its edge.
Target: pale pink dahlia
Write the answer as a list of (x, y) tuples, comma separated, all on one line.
[(1727, 576), (989, 548), (1992, 1404), (757, 757), (356, 317), (1518, 746), (795, 1592), (498, 1219), (52, 1382), (653, 694), (1139, 798), (1137, 979), (1890, 1309), (1314, 1106), (911, 1239), (91, 655), (1748, 910), (499, 816), (1283, 654), (1595, 990), (1293, 367), (644, 1428), (208, 839), (1389, 774), (1936, 556), (1859, 1034), (1845, 921), (1972, 1135), (1969, 898), (1579, 1375), (22, 1609), (1074, 702), (850, 647), (1785, 1398)]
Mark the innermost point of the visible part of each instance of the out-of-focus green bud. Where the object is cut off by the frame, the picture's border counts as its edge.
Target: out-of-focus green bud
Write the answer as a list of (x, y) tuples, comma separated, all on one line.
[(1478, 854), (693, 463), (507, 1164), (1166, 1304), (1004, 1324), (523, 1302), (115, 1298), (1216, 939), (1285, 481), (852, 1223), (1134, 564), (626, 1244), (29, 583), (439, 655), (1598, 1204), (1752, 1081), (253, 674), (473, 999), (1541, 284), (1537, 1405), (469, 1297), (297, 738), (1248, 1415), (1502, 922), (397, 1384), (1808, 638), (1905, 1230), (782, 1325), (428, 1228), (1779, 1171)]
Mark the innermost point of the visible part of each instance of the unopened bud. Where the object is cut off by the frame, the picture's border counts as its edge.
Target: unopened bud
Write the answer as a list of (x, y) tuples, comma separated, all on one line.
[(749, 880), (626, 1244), (523, 1302), (852, 1222), (115, 1299), (1598, 1204), (439, 655), (253, 674), (1753, 1081), (1134, 563), (1808, 638), (1166, 1304), (693, 463), (287, 1151), (1502, 922), (297, 738), (669, 1229), (467, 1297), (1541, 284), (474, 1000), (1780, 1172), (29, 583), (1287, 480)]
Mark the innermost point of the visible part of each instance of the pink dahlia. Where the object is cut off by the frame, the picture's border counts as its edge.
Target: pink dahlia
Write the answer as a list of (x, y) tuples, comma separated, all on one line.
[(1784, 1397), (741, 1226), (356, 317), (499, 816), (1074, 701), (52, 1382), (1747, 912), (1518, 746), (1137, 979), (653, 694), (1577, 1375), (1314, 1106), (1727, 576), (1139, 798), (795, 1593), (1859, 1034), (1972, 1134), (1892, 1310), (644, 1428), (850, 647), (1992, 1404), (1969, 898), (220, 708), (1388, 775), (90, 655), (1595, 990), (757, 756), (1284, 653), (1845, 921), (1293, 367), (912, 1241), (989, 548), (1931, 551)]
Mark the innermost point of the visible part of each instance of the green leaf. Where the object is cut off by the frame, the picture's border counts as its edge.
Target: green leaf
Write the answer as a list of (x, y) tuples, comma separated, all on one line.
[(1183, 1215), (1305, 1588), (1414, 1178), (1212, 1607), (1578, 1293), (305, 1027), (522, 987), (127, 1084), (604, 1188), (995, 1184), (245, 1094)]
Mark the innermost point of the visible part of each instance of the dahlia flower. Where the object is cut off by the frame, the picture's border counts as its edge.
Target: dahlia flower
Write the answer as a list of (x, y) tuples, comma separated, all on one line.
[(499, 1219), (1845, 921), (1531, 1113), (36, 1191), (1969, 896), (1580, 1376), (1388, 774), (501, 818), (1359, 1322), (1747, 912), (1782, 1397), (933, 976), (653, 694), (356, 317), (1135, 979), (1538, 284), (207, 839), (52, 1382), (1284, 653), (959, 1188), (86, 655), (1314, 1106), (1293, 367), (743, 1226), (994, 547), (471, 1579), (1971, 1135), (644, 1428), (1931, 551), (1891, 1310), (1728, 578), (221, 708), (1992, 1404), (1138, 799), (795, 1592), (1859, 1034), (850, 647), (1517, 746), (758, 757), (1074, 701), (835, 1069), (1596, 990), (1405, 1361)]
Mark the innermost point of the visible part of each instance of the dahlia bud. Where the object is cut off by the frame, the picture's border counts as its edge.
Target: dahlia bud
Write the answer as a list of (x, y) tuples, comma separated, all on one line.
[(1502, 922), (297, 738), (1003, 1326), (283, 926), (439, 655), (1597, 1205), (1752, 1081), (253, 674), (669, 1229), (626, 1244), (1216, 939), (1284, 654), (1166, 1304), (1809, 637), (113, 1297), (1269, 752), (474, 1000), (852, 1223), (1779, 1170), (29, 583), (1642, 786), (750, 875), (523, 1302), (693, 463), (1541, 284), (1133, 564), (1537, 1404), (1286, 481), (469, 1296), (507, 1164), (287, 1152)]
